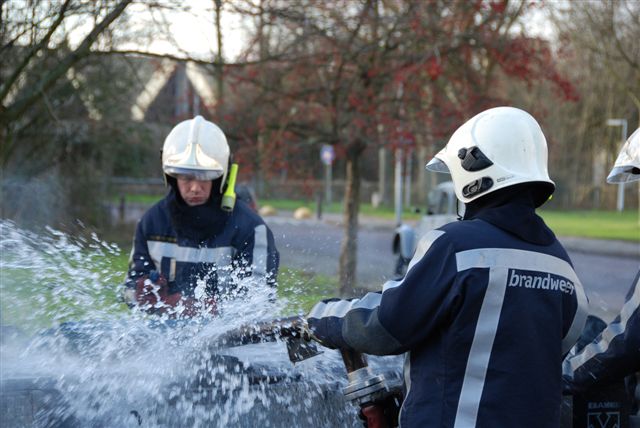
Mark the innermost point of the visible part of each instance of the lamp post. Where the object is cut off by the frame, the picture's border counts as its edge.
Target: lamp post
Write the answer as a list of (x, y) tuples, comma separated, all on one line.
[(398, 186), (623, 124)]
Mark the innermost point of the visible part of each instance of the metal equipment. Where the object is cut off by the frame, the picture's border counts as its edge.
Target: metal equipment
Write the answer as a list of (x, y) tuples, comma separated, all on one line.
[(378, 404)]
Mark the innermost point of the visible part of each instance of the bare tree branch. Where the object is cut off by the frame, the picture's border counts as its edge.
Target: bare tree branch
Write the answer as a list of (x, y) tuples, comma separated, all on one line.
[(31, 94), (8, 84), (270, 59)]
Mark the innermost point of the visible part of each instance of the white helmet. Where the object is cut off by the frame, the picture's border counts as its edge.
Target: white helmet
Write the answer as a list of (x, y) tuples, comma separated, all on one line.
[(497, 148), (627, 166), (196, 148)]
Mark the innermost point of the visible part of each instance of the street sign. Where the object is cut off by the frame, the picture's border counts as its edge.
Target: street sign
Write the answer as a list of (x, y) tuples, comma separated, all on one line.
[(327, 154)]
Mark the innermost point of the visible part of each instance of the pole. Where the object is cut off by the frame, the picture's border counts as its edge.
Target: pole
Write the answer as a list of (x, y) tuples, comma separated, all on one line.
[(620, 202), (382, 174), (398, 186), (319, 205), (327, 183), (407, 179), (622, 123)]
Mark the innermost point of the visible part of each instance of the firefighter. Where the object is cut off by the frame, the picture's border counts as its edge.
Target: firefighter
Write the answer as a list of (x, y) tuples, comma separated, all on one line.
[(615, 352), (489, 305), (190, 249)]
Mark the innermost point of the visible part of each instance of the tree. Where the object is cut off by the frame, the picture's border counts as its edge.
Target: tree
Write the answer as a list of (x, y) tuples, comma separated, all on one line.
[(49, 103), (29, 42), (597, 42), (361, 74)]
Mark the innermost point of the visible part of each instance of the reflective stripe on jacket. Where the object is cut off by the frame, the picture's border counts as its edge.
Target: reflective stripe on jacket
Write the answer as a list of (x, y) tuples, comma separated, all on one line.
[(244, 247)]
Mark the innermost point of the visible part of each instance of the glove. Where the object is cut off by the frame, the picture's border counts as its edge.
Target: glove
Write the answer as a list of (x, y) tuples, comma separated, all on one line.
[(321, 329), (152, 294), (306, 332), (383, 412), (192, 307)]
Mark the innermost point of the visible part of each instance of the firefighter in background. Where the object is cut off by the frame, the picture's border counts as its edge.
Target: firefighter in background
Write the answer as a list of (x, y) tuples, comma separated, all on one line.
[(196, 246), (615, 353), (489, 305)]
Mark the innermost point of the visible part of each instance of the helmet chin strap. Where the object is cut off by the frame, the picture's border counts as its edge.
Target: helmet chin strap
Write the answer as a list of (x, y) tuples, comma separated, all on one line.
[(461, 209), (170, 181)]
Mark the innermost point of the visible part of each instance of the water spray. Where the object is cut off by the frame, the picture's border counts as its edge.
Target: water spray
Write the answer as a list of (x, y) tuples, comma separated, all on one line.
[(106, 370)]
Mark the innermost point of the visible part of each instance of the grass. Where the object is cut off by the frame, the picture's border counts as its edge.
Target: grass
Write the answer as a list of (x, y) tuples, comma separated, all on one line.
[(34, 302), (61, 287), (292, 205), (587, 224), (594, 224), (337, 208), (302, 290)]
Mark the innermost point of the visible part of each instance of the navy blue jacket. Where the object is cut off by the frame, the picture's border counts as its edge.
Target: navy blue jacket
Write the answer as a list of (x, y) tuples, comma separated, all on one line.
[(484, 316), (202, 245), (614, 354)]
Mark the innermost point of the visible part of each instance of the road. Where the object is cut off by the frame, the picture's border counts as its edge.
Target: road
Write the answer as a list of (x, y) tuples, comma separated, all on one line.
[(314, 246)]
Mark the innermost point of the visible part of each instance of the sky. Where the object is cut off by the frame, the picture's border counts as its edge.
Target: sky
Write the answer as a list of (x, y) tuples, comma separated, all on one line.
[(194, 31)]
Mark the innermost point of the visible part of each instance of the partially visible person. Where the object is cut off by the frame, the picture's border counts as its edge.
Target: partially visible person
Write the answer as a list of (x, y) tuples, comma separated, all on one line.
[(245, 193), (489, 305), (615, 353), (190, 249)]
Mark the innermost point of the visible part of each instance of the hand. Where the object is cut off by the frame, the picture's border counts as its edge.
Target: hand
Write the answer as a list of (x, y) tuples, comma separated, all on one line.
[(149, 292), (152, 293), (318, 327), (192, 307), (306, 332)]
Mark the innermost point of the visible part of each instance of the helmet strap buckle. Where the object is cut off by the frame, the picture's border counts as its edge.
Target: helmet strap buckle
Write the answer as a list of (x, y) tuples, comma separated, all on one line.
[(476, 187)]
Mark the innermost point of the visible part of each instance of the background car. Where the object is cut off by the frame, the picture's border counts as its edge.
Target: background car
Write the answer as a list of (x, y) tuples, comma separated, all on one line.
[(442, 208)]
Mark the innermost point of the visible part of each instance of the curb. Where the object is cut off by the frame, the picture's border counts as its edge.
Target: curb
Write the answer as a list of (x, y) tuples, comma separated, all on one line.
[(332, 220), (601, 246)]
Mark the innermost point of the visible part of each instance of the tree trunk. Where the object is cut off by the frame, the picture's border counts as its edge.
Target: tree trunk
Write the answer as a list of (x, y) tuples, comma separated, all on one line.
[(348, 249), (219, 56)]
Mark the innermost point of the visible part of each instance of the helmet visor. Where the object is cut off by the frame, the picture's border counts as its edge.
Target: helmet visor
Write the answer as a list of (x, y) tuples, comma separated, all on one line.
[(437, 165), (627, 166), (196, 174), (624, 174)]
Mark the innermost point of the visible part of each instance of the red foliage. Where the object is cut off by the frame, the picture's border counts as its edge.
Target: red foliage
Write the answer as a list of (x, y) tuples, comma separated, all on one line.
[(354, 101), (498, 6), (433, 68), (530, 59), (416, 88), (261, 122)]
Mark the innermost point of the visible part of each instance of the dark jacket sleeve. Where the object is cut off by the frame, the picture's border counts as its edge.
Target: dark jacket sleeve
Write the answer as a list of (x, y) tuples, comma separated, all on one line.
[(259, 254), (403, 314), (614, 354), (140, 263)]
